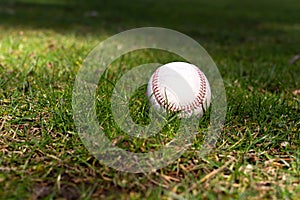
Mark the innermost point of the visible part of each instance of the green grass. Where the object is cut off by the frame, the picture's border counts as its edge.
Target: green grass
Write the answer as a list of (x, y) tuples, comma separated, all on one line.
[(42, 46)]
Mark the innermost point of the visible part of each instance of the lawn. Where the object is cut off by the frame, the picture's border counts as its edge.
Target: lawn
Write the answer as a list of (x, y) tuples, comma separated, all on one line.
[(255, 46)]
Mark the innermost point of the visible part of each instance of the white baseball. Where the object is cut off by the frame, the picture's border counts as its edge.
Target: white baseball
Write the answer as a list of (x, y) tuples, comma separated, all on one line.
[(179, 87)]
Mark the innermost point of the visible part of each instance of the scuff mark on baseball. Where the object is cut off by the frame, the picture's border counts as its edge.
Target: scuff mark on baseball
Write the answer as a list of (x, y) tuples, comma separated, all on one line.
[(179, 87)]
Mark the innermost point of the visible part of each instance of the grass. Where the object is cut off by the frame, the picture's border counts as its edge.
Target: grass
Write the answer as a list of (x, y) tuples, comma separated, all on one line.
[(42, 46)]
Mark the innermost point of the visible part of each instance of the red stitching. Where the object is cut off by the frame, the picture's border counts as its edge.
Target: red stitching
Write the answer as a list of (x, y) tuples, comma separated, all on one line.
[(199, 100)]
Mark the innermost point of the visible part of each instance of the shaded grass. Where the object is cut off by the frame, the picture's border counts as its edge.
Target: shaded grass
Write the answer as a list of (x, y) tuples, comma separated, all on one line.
[(42, 46)]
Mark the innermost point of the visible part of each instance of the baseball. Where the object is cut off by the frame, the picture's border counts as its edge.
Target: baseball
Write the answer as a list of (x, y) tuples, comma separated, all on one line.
[(179, 87)]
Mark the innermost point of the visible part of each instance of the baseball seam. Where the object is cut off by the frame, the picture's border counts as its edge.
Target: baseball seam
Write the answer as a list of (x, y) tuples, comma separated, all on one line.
[(198, 101)]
